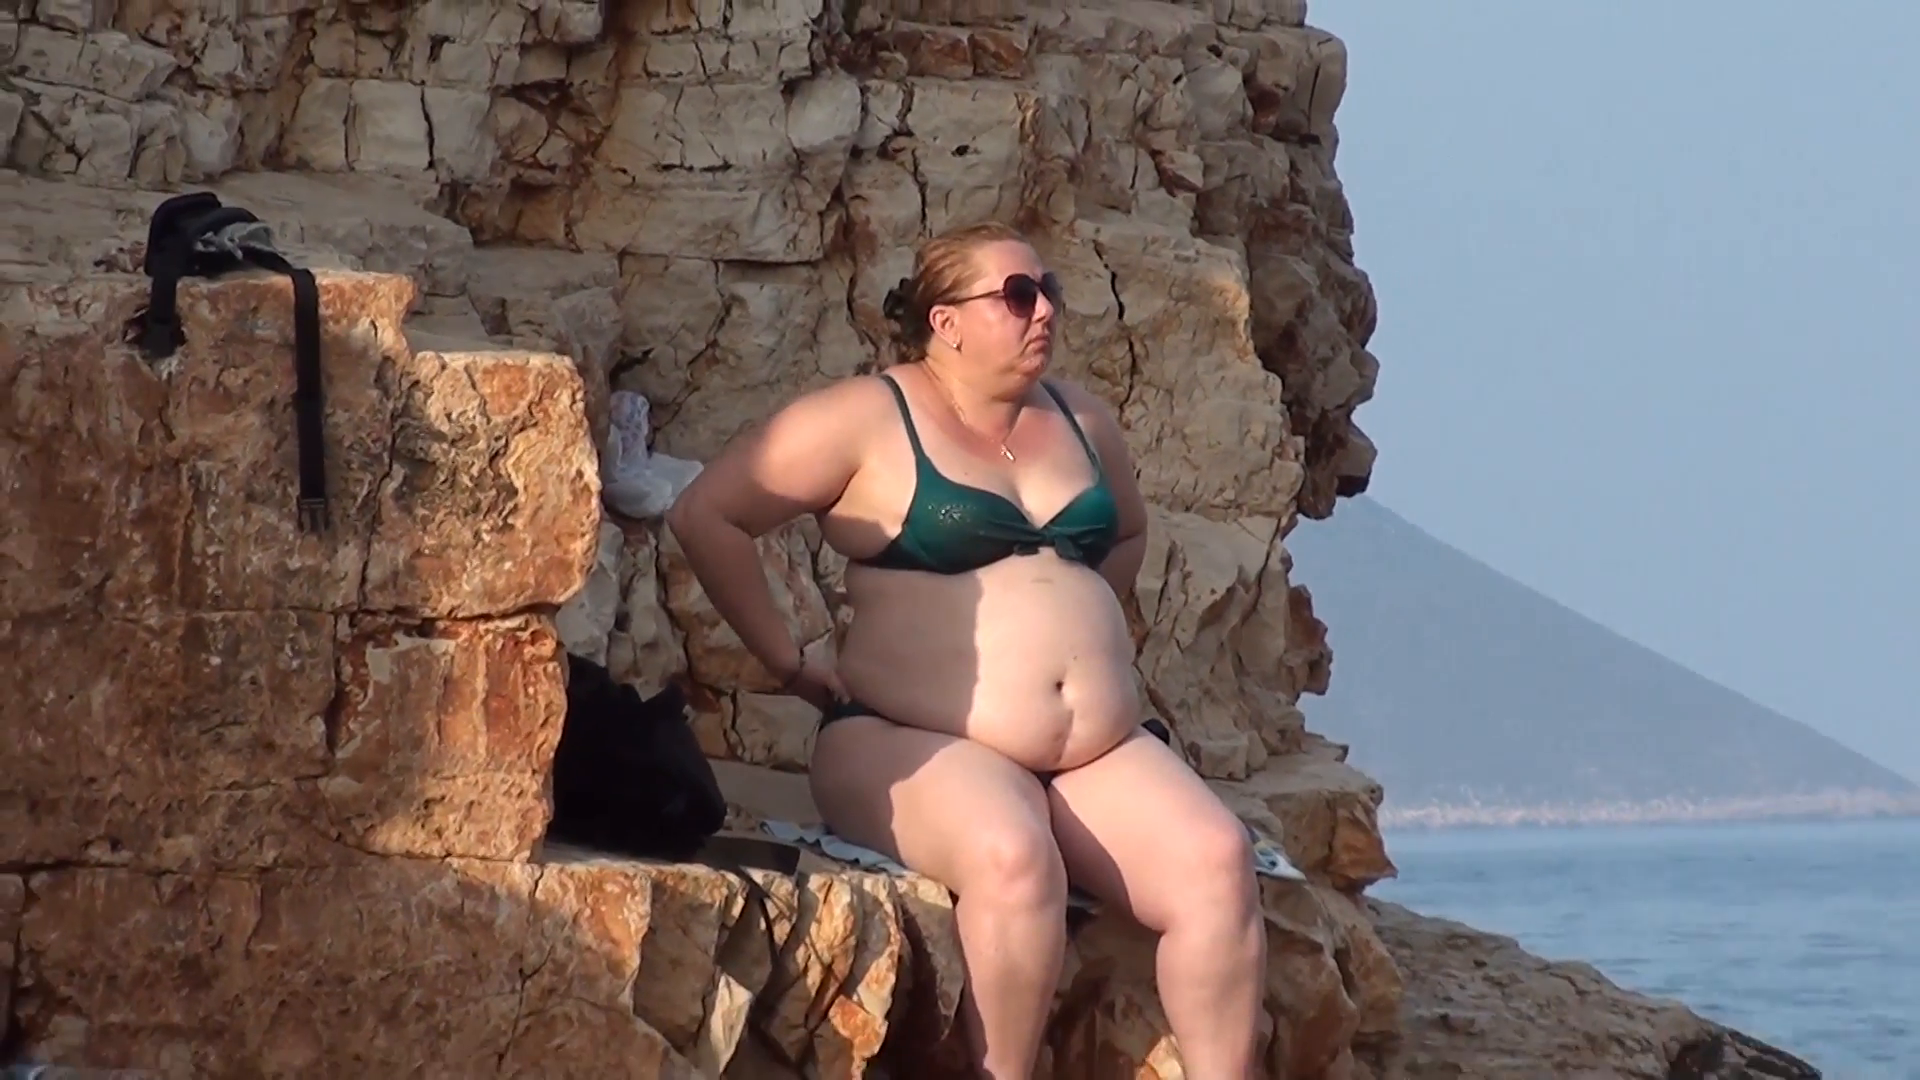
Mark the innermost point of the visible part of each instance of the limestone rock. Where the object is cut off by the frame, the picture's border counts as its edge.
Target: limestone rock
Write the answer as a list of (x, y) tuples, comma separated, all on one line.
[(1478, 1005), (1203, 595), (200, 684), (432, 459), (1145, 302), (736, 341), (554, 300), (391, 967), (644, 648), (1326, 814), (586, 622)]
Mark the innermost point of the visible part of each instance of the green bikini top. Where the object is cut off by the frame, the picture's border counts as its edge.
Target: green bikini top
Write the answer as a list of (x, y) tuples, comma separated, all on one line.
[(952, 528)]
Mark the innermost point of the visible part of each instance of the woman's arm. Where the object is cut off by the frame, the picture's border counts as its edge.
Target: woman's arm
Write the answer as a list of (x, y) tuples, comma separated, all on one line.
[(1122, 565), (797, 463)]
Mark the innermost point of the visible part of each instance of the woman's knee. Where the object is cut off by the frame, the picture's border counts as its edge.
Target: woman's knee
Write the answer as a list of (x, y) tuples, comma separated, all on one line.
[(1217, 862), (1016, 863)]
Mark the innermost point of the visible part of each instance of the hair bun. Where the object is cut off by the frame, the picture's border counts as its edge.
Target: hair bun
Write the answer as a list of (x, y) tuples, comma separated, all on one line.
[(894, 306)]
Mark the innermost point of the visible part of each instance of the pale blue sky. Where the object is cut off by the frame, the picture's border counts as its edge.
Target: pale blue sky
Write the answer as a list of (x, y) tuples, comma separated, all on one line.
[(1646, 338)]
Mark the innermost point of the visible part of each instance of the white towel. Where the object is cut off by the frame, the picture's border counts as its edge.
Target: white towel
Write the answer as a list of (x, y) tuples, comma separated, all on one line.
[(819, 838)]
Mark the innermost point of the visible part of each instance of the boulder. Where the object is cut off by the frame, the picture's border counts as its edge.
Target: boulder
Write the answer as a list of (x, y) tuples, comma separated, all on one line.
[(1476, 1004)]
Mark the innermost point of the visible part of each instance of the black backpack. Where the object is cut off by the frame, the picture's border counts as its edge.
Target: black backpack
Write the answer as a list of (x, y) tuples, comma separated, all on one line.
[(629, 776), (192, 235)]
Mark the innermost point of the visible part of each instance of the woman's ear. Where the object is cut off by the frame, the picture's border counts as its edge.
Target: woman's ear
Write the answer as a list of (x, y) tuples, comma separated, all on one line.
[(945, 322)]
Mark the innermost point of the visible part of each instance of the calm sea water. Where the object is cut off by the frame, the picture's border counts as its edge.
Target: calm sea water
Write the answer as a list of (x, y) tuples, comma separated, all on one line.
[(1805, 935)]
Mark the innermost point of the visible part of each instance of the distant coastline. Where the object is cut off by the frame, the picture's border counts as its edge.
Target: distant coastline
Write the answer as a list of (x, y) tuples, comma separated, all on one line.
[(1826, 805)]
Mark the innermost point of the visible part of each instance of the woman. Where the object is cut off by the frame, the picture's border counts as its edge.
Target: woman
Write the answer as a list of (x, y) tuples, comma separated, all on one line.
[(982, 724)]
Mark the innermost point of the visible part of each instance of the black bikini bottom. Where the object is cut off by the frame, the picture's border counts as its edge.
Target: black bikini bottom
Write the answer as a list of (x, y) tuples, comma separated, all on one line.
[(841, 710)]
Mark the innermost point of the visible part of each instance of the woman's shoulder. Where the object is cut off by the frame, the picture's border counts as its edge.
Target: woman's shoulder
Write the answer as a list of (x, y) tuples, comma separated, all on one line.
[(851, 392), (854, 399), (1085, 403)]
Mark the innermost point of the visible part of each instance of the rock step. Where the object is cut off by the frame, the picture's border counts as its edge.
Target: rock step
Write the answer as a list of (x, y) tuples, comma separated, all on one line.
[(594, 967)]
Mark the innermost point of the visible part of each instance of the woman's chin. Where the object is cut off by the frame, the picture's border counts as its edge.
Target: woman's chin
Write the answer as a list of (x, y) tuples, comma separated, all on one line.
[(1033, 362)]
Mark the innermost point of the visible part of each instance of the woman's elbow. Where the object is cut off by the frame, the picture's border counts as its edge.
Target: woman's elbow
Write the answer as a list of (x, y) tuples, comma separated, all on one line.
[(699, 515), (688, 514)]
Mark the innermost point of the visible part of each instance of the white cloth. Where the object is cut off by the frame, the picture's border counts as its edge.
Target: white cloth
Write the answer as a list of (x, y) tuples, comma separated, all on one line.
[(820, 839)]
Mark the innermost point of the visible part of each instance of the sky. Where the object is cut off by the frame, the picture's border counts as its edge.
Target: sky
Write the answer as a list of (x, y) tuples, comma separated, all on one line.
[(1641, 270)]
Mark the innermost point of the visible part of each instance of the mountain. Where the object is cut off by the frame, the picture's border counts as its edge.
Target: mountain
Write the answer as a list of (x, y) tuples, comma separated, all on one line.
[(1475, 699)]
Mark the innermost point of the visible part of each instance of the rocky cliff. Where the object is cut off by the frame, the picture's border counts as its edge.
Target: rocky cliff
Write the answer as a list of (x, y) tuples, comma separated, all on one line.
[(299, 781)]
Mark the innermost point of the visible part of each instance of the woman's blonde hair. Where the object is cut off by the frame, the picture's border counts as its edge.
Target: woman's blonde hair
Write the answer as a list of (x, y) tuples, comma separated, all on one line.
[(941, 269)]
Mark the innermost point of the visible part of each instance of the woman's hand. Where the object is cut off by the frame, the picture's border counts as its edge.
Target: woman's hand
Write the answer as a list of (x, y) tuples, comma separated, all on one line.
[(816, 682)]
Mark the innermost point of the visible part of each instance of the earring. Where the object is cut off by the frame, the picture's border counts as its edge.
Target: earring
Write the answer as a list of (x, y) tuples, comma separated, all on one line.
[(954, 345)]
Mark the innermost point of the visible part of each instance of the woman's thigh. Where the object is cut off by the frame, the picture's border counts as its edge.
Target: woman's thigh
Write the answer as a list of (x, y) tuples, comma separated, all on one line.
[(1138, 827), (948, 808)]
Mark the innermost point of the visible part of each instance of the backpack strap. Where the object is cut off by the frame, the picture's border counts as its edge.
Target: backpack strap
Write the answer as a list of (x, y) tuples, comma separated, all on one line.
[(193, 235), (308, 399)]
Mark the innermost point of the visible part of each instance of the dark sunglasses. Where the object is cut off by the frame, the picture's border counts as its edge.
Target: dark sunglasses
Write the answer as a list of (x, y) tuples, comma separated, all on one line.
[(1021, 293)]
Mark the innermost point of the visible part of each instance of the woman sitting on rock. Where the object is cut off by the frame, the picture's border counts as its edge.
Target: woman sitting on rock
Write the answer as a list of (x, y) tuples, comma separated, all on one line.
[(982, 724)]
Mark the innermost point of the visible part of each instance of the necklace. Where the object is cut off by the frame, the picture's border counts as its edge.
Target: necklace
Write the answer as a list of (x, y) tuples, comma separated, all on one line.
[(961, 416)]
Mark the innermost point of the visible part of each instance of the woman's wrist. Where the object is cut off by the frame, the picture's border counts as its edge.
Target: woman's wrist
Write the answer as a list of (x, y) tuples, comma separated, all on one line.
[(789, 672)]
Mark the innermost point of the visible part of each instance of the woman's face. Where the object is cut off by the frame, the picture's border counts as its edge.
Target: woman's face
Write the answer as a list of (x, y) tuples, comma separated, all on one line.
[(1004, 319)]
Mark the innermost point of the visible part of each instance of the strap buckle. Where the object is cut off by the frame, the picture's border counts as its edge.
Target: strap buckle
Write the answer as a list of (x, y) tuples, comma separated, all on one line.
[(313, 513)]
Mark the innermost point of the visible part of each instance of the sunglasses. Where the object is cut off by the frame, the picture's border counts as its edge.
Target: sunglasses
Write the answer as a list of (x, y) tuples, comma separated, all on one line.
[(1021, 292)]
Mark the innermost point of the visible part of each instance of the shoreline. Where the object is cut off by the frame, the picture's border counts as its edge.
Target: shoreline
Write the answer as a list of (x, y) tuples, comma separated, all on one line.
[(1821, 807)]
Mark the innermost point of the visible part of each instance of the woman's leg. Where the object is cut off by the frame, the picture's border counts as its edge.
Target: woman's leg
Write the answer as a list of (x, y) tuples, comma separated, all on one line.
[(1138, 828), (980, 825)]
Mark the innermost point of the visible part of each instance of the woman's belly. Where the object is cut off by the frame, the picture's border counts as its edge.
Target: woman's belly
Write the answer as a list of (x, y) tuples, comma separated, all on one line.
[(1029, 656)]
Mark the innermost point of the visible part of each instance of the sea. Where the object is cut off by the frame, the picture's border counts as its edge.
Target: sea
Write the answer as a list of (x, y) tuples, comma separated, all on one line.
[(1803, 934)]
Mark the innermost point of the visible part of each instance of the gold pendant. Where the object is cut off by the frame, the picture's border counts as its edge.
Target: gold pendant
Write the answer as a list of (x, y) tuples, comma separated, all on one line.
[(1007, 452)]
